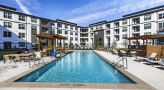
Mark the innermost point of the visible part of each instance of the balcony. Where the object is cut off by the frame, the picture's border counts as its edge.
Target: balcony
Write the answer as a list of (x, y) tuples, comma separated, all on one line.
[(116, 24), (136, 21), (136, 29), (107, 32)]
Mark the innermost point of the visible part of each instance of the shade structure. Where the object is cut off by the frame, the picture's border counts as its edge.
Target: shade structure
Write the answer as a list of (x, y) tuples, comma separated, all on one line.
[(147, 48), (52, 38)]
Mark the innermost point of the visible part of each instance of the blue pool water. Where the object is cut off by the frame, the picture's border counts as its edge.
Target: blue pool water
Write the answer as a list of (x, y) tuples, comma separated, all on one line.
[(78, 66)]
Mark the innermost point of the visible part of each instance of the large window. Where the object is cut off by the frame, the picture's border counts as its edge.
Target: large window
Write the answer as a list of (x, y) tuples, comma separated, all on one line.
[(117, 37), (8, 24), (124, 36), (71, 27), (124, 22), (21, 26), (33, 19), (161, 16), (21, 18), (71, 33), (161, 25), (66, 32), (147, 17), (7, 15), (44, 29), (76, 33), (6, 34), (147, 26), (124, 29), (66, 26), (44, 22), (33, 27), (60, 31), (21, 35), (21, 44)]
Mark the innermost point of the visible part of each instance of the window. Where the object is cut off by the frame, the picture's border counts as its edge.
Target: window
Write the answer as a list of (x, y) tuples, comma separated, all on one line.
[(71, 38), (44, 29), (71, 27), (100, 39), (116, 24), (76, 39), (60, 31), (33, 27), (136, 21), (136, 28), (147, 17), (124, 29), (117, 38), (124, 36), (33, 19), (147, 33), (21, 44), (147, 26), (124, 21), (21, 18), (76, 33), (21, 35), (8, 24), (66, 32), (53, 23), (44, 22), (6, 34), (71, 33), (108, 26), (59, 25), (108, 32), (117, 31), (161, 16), (21, 26), (7, 15), (161, 25), (76, 28), (66, 26)]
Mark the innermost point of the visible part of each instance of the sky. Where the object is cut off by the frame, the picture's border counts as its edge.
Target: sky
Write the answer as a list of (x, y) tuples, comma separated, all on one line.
[(82, 12)]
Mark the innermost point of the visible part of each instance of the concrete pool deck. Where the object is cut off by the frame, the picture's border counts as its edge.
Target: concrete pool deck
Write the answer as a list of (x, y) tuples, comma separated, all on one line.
[(140, 70)]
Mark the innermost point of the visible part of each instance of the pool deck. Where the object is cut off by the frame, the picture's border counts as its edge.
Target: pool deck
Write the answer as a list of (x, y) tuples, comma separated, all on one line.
[(151, 75)]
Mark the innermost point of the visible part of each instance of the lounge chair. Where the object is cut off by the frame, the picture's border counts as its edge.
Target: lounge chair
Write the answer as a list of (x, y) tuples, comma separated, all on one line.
[(150, 58), (18, 58), (7, 58), (161, 62)]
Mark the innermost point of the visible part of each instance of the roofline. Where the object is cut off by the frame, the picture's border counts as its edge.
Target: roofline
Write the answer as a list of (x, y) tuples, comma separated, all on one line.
[(67, 22), (158, 8), (98, 23), (7, 7)]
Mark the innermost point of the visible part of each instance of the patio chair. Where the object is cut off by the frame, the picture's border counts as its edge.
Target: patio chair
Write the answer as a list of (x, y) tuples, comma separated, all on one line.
[(161, 62), (150, 58), (18, 58), (6, 58)]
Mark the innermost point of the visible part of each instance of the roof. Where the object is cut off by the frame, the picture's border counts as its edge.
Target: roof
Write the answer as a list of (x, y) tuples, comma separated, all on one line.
[(98, 23), (145, 11), (146, 37), (65, 22), (7, 7), (49, 36)]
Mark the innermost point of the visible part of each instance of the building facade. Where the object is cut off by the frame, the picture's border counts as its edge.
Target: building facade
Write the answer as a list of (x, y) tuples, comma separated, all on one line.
[(17, 29)]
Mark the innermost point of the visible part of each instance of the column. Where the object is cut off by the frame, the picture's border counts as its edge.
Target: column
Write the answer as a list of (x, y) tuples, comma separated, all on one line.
[(39, 43)]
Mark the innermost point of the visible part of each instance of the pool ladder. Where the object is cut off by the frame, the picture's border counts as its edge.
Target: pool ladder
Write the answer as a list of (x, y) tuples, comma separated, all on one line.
[(124, 61)]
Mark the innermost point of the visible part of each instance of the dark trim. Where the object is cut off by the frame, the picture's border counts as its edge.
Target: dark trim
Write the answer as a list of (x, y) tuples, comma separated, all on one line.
[(7, 7), (65, 22), (98, 23), (145, 11)]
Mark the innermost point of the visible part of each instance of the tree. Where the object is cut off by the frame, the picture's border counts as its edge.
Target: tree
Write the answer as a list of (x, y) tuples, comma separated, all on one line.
[(96, 43), (125, 43), (114, 44)]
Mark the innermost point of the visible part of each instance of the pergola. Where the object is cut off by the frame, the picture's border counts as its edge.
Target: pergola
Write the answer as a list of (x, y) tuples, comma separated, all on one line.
[(147, 47), (52, 38)]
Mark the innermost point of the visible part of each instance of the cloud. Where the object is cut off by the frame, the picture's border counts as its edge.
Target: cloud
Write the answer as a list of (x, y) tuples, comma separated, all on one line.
[(23, 7), (107, 9), (27, 6)]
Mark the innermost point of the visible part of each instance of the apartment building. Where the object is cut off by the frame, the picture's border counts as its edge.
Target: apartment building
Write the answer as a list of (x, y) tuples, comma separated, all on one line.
[(146, 22), (17, 29)]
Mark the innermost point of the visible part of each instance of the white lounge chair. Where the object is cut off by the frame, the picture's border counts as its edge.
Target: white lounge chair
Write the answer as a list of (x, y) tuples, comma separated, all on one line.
[(150, 58)]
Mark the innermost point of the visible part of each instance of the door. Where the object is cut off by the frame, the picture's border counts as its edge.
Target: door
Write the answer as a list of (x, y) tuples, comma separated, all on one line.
[(7, 45)]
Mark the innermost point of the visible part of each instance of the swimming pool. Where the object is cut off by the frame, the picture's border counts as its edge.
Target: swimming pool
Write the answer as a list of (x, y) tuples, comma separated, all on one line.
[(78, 66)]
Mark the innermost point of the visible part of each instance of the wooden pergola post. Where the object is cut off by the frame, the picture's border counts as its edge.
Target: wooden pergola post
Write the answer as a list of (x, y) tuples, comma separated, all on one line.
[(54, 44), (47, 43), (129, 42), (39, 44), (146, 41)]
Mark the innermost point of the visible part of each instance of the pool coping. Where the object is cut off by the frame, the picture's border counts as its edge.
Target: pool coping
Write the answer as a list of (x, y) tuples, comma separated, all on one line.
[(140, 84)]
